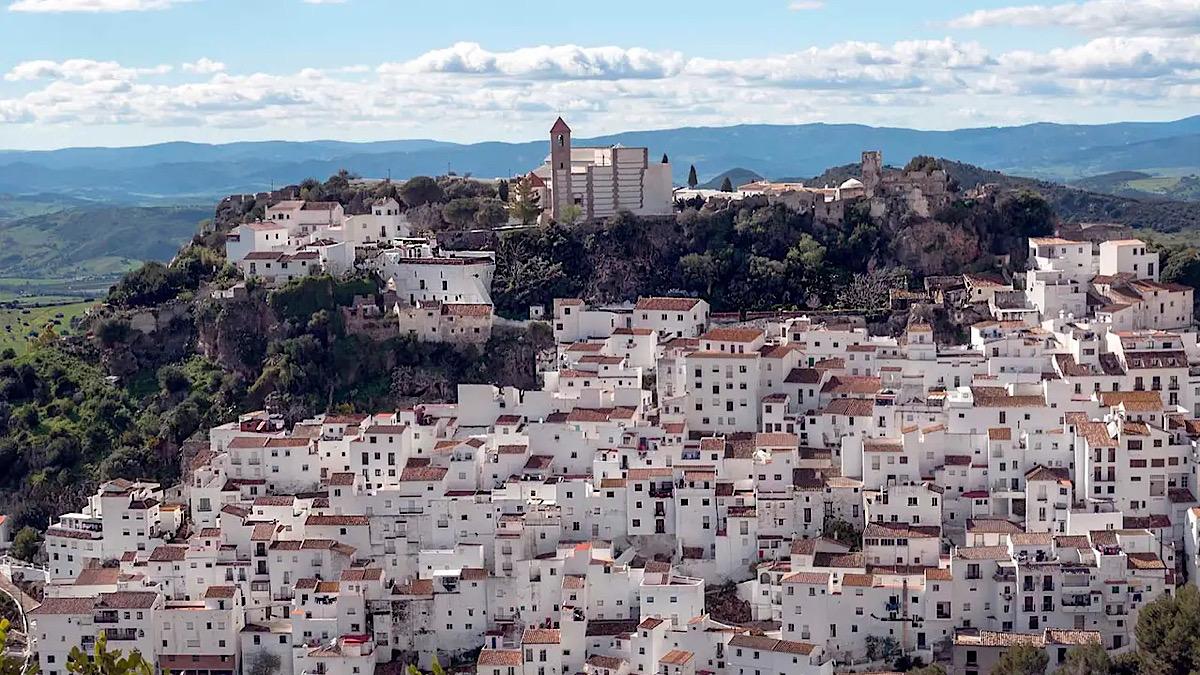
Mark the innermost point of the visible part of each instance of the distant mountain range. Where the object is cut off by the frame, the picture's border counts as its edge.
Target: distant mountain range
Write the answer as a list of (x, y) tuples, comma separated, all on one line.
[(170, 172)]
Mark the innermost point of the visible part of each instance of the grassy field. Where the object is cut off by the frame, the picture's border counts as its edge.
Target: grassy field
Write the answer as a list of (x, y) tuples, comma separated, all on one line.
[(17, 323), (1157, 184)]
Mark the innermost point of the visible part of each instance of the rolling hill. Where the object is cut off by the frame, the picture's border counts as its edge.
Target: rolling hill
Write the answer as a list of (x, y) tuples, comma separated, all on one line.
[(94, 241), (738, 176), (1142, 185)]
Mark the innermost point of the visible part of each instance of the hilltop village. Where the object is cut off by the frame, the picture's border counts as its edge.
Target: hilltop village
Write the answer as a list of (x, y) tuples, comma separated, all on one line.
[(442, 293), (686, 491)]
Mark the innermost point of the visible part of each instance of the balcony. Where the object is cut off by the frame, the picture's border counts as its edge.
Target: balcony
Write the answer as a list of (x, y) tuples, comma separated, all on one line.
[(1076, 602), (1001, 485), (121, 633), (107, 617), (663, 491)]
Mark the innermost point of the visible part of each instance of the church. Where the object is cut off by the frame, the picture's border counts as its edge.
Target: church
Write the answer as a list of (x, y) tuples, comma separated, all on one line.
[(600, 181)]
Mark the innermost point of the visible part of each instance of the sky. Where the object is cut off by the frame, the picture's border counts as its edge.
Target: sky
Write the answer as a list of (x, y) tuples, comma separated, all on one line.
[(135, 72)]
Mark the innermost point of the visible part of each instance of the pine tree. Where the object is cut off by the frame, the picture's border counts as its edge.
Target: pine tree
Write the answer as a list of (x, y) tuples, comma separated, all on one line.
[(693, 181), (726, 185), (524, 206), (665, 160)]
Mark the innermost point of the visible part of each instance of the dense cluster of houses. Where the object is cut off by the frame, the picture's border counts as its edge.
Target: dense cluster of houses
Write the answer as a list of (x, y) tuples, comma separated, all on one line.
[(430, 293), (855, 497)]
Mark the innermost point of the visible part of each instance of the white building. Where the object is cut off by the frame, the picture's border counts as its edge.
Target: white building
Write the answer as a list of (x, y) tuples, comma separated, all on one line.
[(1034, 485), (601, 181)]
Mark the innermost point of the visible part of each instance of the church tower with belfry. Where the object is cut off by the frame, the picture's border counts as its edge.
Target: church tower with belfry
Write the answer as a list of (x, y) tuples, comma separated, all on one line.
[(561, 193)]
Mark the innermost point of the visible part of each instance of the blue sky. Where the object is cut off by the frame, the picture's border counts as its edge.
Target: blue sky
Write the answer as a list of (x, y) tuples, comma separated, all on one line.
[(126, 72)]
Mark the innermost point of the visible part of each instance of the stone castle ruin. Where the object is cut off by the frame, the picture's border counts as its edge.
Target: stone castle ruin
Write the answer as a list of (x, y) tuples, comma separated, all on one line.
[(920, 192), (923, 192)]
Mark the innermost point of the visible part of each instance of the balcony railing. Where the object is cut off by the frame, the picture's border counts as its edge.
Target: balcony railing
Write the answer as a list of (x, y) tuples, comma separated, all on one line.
[(121, 633)]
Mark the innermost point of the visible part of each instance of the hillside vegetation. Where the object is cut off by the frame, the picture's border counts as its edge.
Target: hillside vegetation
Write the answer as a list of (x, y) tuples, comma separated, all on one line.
[(93, 240), (1141, 185)]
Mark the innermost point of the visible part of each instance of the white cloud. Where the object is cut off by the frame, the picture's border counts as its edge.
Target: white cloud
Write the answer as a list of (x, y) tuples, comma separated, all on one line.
[(1104, 17), (90, 5), (544, 62), (805, 5), (1114, 58), (903, 65), (84, 70), (467, 87), (204, 66)]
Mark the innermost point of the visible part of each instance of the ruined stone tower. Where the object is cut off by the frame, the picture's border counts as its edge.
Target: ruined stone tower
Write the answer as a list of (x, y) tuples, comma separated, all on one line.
[(872, 172)]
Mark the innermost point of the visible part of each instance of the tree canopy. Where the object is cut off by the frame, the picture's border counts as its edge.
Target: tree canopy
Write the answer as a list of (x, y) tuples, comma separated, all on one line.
[(1168, 632), (103, 661), (1022, 660), (420, 190), (1087, 660), (12, 664), (923, 164)]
